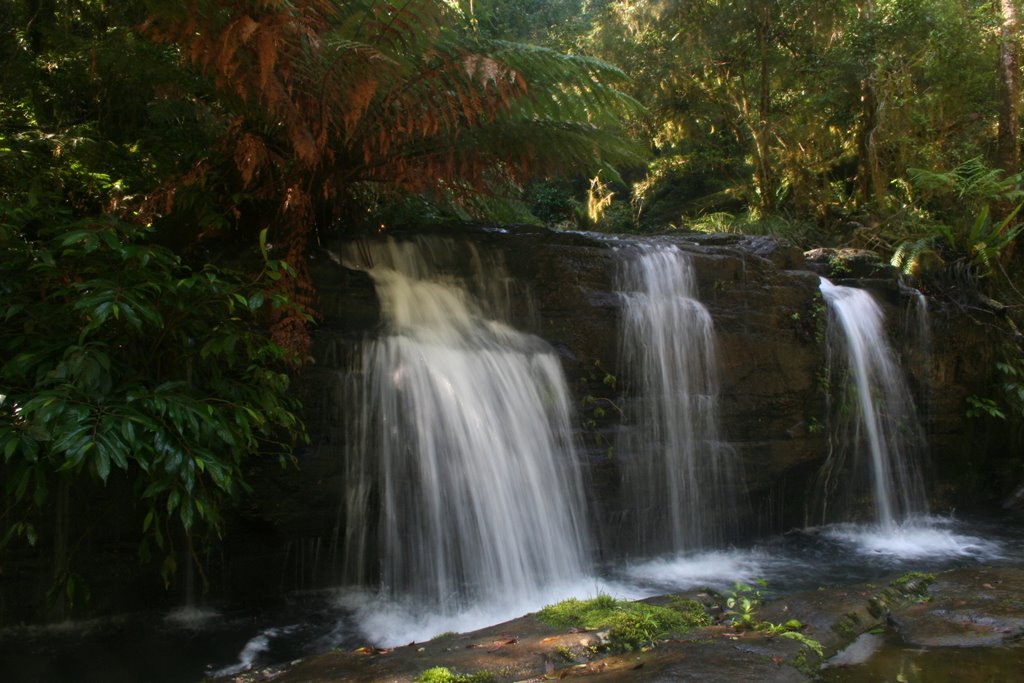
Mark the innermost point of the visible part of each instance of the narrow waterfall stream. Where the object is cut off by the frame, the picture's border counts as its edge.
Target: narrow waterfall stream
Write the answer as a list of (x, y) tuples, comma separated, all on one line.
[(462, 483), (875, 436), (679, 482)]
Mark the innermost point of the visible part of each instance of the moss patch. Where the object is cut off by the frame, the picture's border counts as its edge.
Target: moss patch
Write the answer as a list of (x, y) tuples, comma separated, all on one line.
[(629, 624), (441, 674), (909, 588), (848, 626), (914, 583)]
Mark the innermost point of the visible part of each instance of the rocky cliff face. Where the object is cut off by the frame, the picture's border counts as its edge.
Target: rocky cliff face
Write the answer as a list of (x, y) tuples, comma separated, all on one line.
[(769, 322)]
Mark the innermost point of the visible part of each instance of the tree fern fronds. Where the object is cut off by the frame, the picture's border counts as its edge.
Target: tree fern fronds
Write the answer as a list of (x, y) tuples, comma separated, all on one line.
[(322, 95), (909, 254), (979, 182), (563, 85), (972, 180), (408, 26), (933, 181), (537, 59), (979, 227)]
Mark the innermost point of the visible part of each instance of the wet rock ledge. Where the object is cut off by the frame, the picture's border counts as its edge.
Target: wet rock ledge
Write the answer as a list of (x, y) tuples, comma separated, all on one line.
[(948, 616)]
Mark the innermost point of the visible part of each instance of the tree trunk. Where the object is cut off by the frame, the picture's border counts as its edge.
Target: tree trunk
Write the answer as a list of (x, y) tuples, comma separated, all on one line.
[(871, 181), (1009, 110), (41, 20), (868, 170), (762, 127)]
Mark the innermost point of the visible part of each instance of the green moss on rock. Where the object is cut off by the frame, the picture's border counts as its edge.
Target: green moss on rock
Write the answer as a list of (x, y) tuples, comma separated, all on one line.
[(629, 624), (441, 674)]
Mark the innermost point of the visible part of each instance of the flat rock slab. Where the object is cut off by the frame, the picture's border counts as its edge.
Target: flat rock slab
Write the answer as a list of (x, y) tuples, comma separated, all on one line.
[(525, 650), (968, 608)]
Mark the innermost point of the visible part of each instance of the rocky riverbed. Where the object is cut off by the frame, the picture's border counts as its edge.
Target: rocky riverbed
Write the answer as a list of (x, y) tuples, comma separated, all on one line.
[(969, 622)]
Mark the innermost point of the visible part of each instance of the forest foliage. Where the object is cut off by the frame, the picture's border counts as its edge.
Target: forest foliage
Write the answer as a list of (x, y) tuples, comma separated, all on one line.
[(165, 169)]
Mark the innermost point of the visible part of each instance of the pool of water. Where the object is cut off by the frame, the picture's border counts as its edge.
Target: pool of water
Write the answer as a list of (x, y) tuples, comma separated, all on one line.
[(891, 659), (187, 645)]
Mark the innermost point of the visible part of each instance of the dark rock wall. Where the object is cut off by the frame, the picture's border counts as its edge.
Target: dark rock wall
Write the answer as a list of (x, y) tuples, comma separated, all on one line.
[(769, 319)]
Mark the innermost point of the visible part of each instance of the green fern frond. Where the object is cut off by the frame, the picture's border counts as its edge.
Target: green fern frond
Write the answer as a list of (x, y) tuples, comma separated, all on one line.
[(978, 228), (908, 255), (933, 181), (972, 181), (556, 146), (565, 86)]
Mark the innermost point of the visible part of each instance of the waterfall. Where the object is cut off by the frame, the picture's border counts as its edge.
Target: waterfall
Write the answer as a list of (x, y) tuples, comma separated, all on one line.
[(679, 484), (462, 484), (874, 429)]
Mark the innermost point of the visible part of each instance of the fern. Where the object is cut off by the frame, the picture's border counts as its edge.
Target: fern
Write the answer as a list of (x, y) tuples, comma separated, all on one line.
[(978, 242), (322, 97), (972, 181), (909, 254)]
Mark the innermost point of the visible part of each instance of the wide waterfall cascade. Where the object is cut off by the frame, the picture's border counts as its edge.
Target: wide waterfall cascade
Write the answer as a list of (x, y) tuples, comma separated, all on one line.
[(874, 430), (680, 483), (462, 477)]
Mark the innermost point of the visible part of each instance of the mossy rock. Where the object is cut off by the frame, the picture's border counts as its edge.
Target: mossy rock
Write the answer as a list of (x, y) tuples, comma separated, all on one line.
[(441, 674), (628, 624)]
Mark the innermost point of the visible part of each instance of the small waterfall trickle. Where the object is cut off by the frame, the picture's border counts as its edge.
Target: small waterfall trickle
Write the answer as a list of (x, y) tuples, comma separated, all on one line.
[(462, 483), (679, 481), (874, 430)]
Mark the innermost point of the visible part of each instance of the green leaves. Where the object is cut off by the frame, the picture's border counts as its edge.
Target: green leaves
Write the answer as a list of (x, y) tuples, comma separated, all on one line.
[(955, 218), (123, 362)]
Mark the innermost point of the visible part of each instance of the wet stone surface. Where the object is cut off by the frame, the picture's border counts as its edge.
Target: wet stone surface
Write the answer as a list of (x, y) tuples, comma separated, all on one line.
[(967, 627), (968, 608)]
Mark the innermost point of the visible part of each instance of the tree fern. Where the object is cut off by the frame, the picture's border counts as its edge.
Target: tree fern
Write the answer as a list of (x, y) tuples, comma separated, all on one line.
[(387, 92)]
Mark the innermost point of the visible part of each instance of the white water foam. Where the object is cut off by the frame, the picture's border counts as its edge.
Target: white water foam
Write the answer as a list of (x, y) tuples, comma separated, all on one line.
[(191, 616), (391, 623), (926, 537), (256, 646), (714, 569)]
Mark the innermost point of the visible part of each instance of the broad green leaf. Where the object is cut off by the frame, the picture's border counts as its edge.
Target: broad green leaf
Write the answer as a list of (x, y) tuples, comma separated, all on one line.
[(187, 515), (11, 446)]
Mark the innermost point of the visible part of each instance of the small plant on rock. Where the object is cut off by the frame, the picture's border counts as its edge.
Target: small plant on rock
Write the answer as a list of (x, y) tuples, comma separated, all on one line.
[(740, 612), (741, 604)]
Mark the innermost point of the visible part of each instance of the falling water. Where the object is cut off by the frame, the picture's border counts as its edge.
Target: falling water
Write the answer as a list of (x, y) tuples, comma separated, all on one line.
[(874, 430), (462, 485), (918, 325), (680, 488)]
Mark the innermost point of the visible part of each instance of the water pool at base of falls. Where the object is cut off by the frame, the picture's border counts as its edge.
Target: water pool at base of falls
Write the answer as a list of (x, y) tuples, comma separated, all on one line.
[(186, 645)]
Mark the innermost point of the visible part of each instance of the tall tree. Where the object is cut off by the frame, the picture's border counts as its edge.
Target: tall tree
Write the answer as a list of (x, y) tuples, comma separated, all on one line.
[(812, 109), (1009, 78), (871, 180), (741, 78)]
